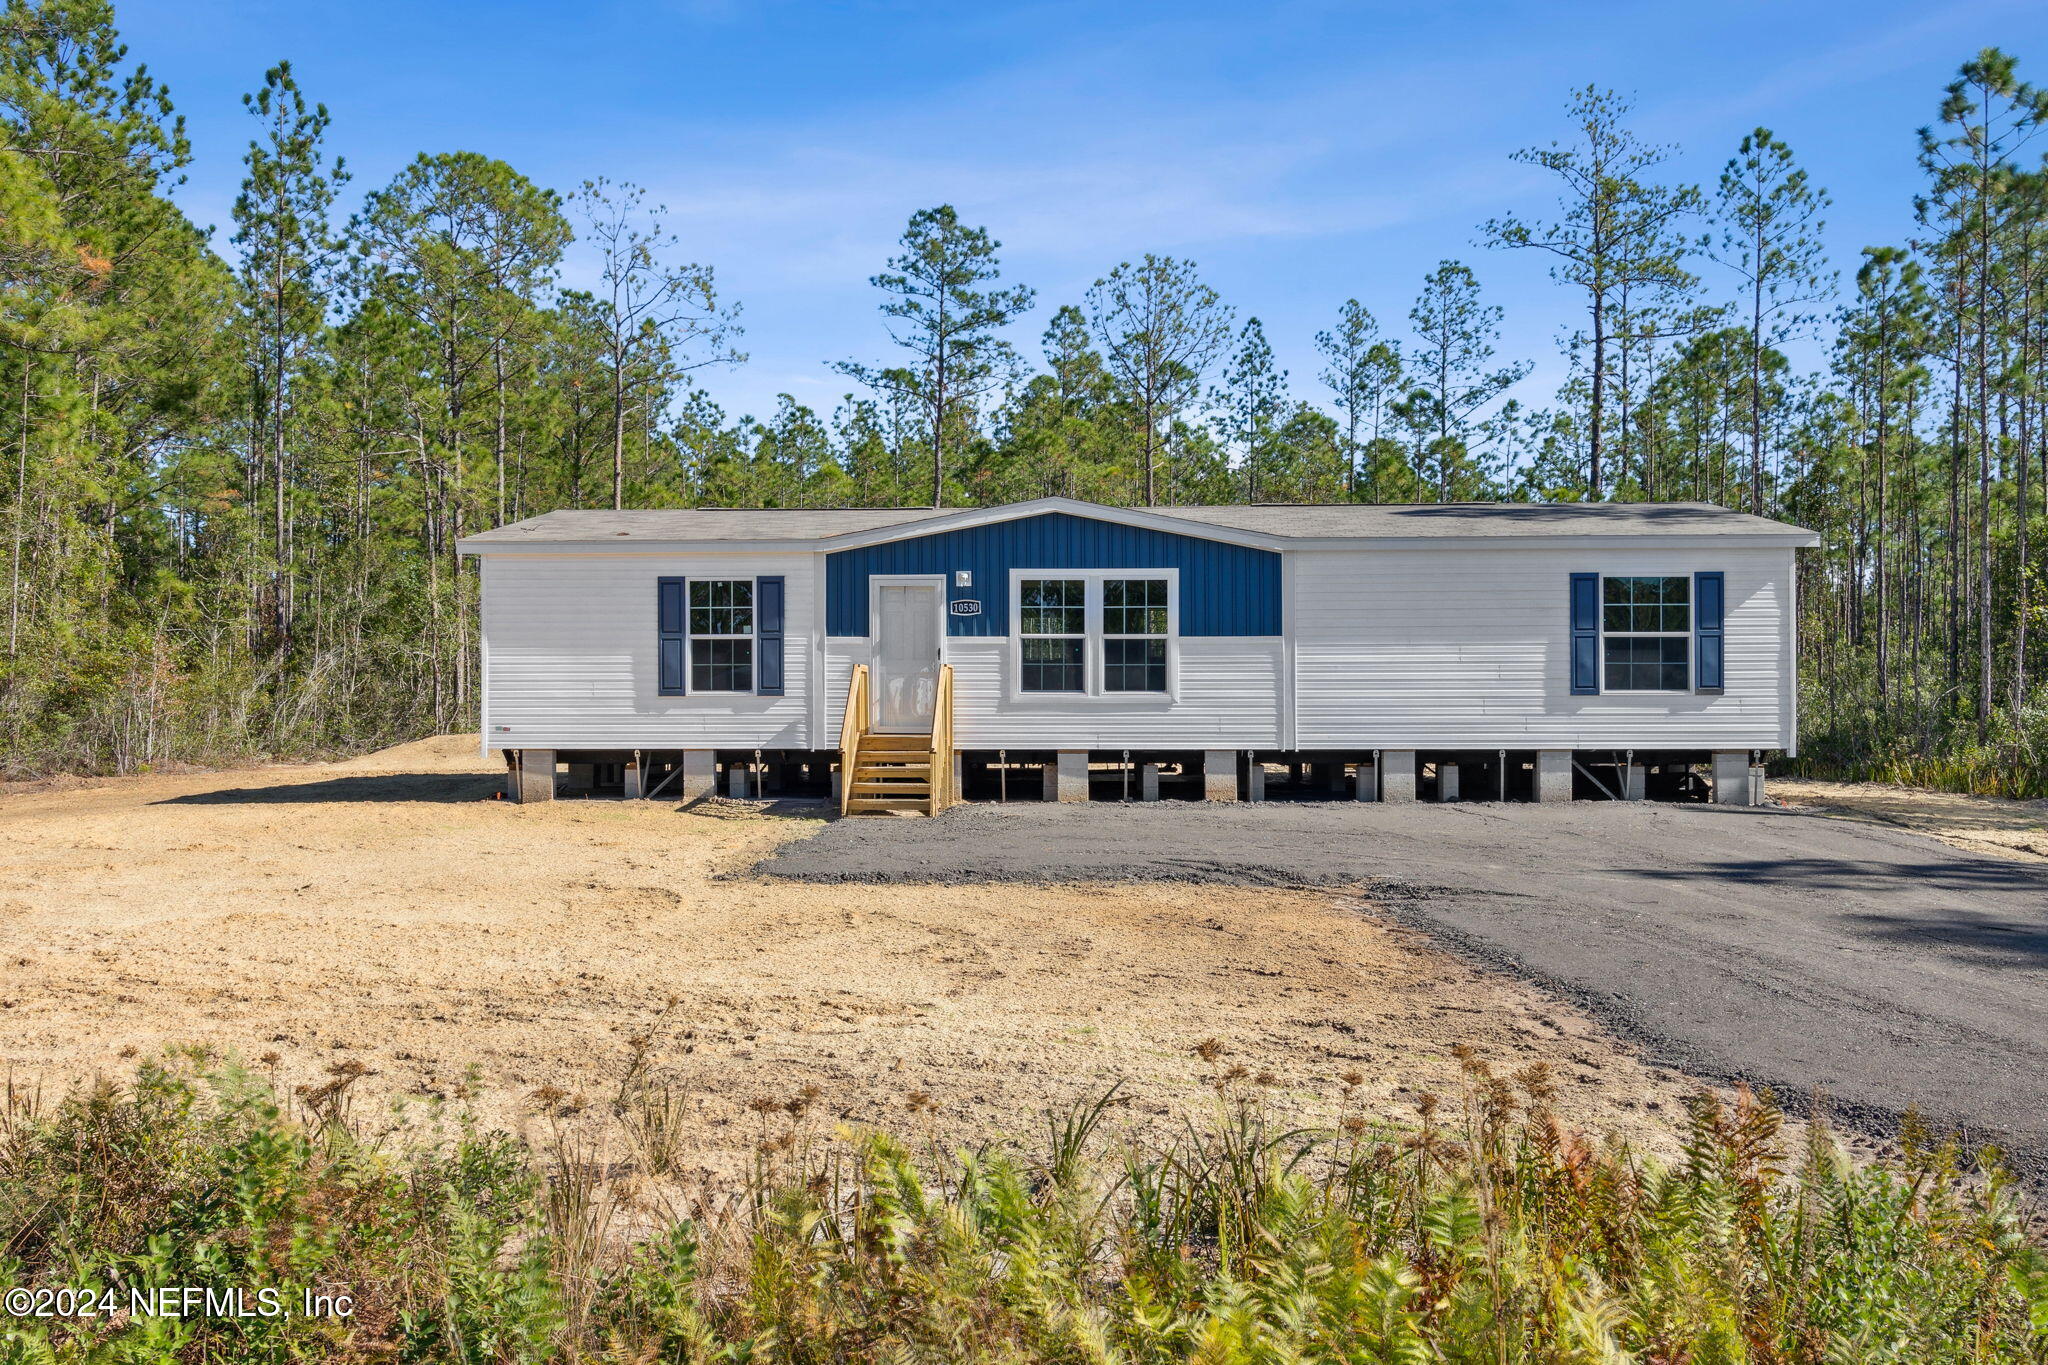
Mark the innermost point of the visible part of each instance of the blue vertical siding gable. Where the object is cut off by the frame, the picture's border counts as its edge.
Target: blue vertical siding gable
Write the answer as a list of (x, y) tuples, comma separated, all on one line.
[(1225, 589)]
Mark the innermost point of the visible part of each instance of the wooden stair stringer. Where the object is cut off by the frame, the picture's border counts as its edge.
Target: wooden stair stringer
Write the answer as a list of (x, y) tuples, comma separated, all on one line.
[(891, 772)]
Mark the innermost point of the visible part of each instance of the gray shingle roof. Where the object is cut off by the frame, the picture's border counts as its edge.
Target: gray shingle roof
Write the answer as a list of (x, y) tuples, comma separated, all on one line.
[(707, 523), (1341, 521), (1483, 519)]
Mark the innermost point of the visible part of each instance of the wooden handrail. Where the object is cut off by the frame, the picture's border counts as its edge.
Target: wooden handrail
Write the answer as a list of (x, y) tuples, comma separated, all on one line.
[(941, 769), (851, 727)]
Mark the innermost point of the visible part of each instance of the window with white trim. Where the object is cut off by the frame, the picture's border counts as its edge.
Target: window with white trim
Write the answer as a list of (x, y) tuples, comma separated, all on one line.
[(1052, 631), (1646, 633), (721, 635), (1134, 631), (1094, 633)]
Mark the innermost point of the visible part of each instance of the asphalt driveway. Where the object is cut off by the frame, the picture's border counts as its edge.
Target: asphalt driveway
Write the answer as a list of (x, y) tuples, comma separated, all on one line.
[(1776, 946)]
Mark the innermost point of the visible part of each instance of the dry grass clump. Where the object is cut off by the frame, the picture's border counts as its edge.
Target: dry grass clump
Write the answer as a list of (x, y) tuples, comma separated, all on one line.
[(1476, 1230)]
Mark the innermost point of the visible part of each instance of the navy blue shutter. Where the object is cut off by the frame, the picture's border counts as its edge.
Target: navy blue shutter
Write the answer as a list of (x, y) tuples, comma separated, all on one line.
[(672, 622), (768, 636), (1585, 635), (1709, 609)]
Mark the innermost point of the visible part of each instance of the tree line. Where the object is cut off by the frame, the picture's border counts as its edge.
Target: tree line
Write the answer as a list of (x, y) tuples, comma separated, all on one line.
[(240, 470)]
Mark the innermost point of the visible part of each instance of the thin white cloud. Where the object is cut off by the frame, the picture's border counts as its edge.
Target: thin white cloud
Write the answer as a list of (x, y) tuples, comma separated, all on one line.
[(1077, 159), (1900, 47)]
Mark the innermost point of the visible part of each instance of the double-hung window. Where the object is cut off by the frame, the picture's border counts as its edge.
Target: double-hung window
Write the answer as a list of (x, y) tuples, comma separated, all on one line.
[(1134, 635), (721, 635), (1095, 633), (1052, 629), (1646, 634)]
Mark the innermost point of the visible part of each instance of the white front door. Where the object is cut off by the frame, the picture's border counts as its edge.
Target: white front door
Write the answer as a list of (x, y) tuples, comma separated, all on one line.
[(906, 671)]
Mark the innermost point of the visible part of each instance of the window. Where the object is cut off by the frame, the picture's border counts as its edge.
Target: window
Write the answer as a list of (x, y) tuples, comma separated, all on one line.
[(1096, 633), (1134, 635), (1646, 629), (721, 635), (1052, 626)]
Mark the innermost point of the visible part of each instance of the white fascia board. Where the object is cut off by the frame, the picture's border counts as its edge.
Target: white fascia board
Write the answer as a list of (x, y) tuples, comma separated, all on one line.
[(962, 520), (557, 549), (1663, 541), (1146, 520)]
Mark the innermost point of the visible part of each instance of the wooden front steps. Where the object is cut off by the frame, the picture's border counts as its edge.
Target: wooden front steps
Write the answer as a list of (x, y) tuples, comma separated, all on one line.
[(880, 773), (891, 772)]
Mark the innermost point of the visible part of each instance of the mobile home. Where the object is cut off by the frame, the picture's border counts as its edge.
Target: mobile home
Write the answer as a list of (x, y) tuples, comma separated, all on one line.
[(907, 657)]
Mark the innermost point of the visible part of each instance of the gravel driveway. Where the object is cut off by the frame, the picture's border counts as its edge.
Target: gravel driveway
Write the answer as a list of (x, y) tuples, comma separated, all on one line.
[(1878, 967)]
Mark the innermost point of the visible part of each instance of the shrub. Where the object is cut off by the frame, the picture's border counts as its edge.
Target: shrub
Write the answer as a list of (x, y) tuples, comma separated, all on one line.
[(1494, 1235)]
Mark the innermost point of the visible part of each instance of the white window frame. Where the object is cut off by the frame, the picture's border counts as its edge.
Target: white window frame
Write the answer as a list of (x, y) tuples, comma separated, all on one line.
[(1091, 647), (1689, 635), (753, 637), (1080, 636), (1165, 637)]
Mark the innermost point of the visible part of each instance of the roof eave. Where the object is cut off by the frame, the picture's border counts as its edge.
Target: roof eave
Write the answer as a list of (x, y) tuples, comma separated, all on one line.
[(1611, 540), (627, 546), (630, 545)]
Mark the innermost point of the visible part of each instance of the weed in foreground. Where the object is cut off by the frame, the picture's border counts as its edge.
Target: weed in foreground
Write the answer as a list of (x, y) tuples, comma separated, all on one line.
[(1483, 1232)]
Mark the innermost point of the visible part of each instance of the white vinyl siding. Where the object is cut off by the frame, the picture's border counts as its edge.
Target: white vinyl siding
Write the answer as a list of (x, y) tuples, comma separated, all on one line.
[(1230, 698), (570, 656), (1468, 647), (1455, 646)]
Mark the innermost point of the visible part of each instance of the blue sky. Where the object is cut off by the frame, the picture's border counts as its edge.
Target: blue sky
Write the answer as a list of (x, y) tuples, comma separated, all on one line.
[(1302, 153)]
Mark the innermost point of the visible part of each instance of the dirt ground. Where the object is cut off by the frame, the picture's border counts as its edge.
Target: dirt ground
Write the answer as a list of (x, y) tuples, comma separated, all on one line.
[(1811, 951), (1981, 824), (390, 911)]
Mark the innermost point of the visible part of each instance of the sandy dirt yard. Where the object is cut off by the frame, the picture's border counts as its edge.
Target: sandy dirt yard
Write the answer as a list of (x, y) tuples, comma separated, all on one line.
[(1803, 949), (1981, 824), (390, 911)]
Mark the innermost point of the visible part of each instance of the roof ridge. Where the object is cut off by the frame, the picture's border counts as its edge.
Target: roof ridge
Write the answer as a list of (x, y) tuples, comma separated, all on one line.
[(1273, 523)]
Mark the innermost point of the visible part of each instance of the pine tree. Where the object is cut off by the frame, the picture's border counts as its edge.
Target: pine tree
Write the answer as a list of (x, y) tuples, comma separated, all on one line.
[(1455, 336), (940, 313), (288, 250), (1160, 329), (115, 327), (1064, 434), (1616, 231), (1884, 335), (1365, 375), (1253, 401), (1770, 217), (449, 245), (1987, 116), (660, 321)]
